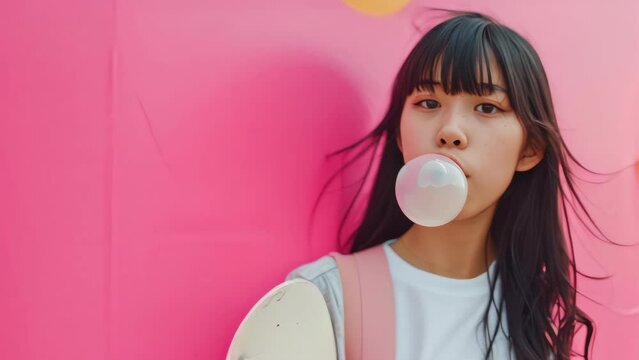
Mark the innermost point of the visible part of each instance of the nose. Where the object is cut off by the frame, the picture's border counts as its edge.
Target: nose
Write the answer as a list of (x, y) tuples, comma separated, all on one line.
[(451, 133)]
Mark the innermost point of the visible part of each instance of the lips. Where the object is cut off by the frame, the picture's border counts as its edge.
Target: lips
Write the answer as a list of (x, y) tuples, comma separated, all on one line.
[(456, 160)]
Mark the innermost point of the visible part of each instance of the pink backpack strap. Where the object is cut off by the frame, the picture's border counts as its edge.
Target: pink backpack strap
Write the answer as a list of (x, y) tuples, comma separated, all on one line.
[(352, 305), (369, 304)]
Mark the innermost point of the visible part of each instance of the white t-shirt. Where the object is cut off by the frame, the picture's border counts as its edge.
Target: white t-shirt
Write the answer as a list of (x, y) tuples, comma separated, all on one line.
[(436, 317)]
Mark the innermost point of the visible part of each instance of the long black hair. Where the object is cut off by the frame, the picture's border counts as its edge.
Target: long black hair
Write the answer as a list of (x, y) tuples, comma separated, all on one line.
[(539, 278)]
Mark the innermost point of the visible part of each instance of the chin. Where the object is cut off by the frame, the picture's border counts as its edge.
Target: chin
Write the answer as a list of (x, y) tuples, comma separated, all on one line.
[(469, 211)]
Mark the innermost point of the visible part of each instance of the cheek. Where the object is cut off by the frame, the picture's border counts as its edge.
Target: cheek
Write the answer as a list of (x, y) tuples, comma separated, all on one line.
[(493, 182), (499, 154), (413, 134), (485, 187)]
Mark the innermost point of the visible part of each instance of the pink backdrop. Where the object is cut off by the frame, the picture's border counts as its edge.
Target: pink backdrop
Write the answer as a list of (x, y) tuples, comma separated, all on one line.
[(158, 159)]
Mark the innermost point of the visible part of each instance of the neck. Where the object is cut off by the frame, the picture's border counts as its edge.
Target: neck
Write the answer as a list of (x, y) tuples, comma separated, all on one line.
[(458, 249)]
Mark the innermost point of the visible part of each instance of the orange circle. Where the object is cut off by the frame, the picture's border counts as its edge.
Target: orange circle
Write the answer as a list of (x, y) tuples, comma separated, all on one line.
[(377, 7)]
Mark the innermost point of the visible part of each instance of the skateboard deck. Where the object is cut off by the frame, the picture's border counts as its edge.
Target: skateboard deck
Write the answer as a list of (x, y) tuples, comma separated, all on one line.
[(291, 321)]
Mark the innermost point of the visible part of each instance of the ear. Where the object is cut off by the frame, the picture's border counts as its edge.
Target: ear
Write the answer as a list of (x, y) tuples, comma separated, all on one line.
[(530, 157), (399, 142)]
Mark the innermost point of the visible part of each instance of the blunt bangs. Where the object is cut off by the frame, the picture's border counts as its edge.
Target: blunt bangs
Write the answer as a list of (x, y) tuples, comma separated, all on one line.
[(461, 49)]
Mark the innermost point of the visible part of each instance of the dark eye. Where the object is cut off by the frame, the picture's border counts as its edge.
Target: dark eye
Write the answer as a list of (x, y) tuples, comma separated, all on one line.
[(489, 108), (430, 104)]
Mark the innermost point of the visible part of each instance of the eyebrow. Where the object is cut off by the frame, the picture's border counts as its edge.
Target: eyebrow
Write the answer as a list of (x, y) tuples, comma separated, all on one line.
[(491, 87)]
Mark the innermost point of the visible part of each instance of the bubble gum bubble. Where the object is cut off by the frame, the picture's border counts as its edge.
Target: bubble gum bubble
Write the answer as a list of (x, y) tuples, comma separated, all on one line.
[(431, 190)]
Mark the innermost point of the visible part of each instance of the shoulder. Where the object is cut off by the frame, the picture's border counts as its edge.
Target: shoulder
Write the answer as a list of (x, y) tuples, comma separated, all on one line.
[(323, 272), (314, 269)]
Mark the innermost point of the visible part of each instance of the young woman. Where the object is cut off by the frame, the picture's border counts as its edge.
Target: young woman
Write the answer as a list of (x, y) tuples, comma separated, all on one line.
[(475, 91)]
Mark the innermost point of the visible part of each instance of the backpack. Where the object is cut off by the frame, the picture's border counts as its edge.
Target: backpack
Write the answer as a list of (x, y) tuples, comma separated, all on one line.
[(369, 304)]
